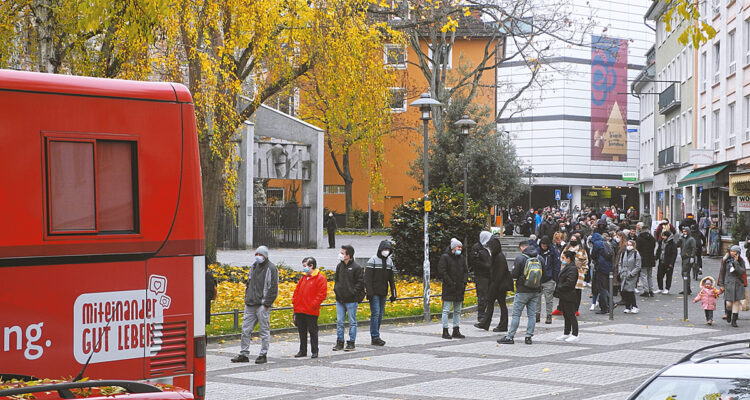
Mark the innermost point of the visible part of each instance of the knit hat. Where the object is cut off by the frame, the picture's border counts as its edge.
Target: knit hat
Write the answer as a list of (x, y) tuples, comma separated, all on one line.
[(455, 243), (262, 250), (546, 240), (484, 237), (532, 237), (736, 249)]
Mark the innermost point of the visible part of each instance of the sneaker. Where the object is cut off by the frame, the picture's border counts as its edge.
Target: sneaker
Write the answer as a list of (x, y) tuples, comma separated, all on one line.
[(505, 340), (240, 359), (602, 312), (548, 320), (634, 310), (561, 338), (557, 312), (650, 294), (300, 355), (626, 311), (314, 355), (261, 359), (644, 294), (527, 340), (349, 346), (665, 291), (499, 328), (709, 322), (593, 306), (572, 339), (480, 326), (377, 342)]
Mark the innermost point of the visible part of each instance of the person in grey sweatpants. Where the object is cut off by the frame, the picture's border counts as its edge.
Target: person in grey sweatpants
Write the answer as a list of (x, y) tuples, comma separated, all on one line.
[(260, 293)]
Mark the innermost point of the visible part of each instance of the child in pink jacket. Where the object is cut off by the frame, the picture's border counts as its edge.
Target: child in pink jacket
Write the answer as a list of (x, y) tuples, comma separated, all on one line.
[(707, 296)]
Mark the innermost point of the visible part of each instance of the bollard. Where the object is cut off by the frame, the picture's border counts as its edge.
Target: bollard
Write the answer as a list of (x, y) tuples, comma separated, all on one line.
[(611, 298), (685, 290), (236, 316)]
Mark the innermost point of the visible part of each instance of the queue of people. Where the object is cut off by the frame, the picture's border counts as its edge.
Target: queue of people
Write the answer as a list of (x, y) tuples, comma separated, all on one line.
[(569, 257)]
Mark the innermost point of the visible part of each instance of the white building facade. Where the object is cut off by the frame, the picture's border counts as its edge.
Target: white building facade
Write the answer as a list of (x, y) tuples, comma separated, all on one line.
[(579, 129)]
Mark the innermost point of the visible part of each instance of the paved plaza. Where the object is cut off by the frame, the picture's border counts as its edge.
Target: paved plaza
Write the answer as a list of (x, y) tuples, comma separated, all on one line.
[(611, 360)]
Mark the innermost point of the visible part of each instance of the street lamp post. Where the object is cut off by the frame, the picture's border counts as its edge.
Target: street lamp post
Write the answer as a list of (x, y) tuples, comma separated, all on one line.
[(464, 124), (529, 171), (425, 104)]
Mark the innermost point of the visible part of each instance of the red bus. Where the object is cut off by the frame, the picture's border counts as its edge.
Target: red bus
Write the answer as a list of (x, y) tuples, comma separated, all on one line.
[(101, 246)]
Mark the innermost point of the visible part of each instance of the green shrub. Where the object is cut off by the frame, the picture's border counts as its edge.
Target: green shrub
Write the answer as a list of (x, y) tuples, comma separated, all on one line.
[(446, 221), (739, 228), (358, 219)]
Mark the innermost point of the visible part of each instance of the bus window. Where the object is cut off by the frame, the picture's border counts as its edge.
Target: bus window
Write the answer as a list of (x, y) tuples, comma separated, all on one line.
[(90, 194)]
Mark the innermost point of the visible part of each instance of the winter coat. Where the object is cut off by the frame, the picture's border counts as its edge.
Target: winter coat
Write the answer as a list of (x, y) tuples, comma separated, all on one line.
[(581, 262), (262, 284), (550, 260), (646, 219), (331, 225), (310, 292), (547, 229), (602, 264), (619, 250), (518, 266), (668, 255), (454, 274), (687, 247), (379, 272), (500, 278), (566, 284), (731, 280), (646, 245), (630, 267), (349, 285), (707, 296), (480, 260)]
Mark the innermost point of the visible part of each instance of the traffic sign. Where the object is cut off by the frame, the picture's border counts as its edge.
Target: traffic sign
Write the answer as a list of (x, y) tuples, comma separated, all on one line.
[(631, 130), (558, 194), (569, 196)]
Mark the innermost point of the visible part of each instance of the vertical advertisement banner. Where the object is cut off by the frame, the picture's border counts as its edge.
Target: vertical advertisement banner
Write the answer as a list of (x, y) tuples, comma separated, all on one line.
[(609, 99)]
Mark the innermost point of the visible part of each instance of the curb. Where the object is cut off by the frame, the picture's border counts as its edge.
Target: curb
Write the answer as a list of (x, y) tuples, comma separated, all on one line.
[(278, 331)]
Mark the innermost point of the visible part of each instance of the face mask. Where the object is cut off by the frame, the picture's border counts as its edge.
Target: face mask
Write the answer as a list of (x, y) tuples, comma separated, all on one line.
[(260, 259), (341, 257), (385, 253), (617, 239), (564, 262), (684, 235), (562, 229), (574, 243), (629, 248), (306, 269), (458, 252)]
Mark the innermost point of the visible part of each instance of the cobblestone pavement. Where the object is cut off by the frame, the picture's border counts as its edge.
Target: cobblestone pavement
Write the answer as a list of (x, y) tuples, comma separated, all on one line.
[(612, 359)]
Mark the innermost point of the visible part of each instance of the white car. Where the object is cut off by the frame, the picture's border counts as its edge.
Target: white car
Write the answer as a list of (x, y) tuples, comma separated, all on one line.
[(716, 372)]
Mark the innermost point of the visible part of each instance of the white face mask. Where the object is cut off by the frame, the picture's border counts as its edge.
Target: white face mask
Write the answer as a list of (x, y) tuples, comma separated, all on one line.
[(629, 248), (342, 257), (260, 259), (385, 253)]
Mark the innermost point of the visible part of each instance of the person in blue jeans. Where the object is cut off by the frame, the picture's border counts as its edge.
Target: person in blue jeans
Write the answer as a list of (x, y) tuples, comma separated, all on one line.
[(454, 273), (378, 278), (525, 297), (349, 287)]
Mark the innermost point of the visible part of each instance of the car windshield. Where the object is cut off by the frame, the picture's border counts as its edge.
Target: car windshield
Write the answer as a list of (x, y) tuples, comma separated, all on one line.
[(672, 388)]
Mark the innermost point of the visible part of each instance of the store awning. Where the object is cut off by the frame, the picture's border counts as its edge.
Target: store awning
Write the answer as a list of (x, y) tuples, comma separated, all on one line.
[(703, 175), (739, 184)]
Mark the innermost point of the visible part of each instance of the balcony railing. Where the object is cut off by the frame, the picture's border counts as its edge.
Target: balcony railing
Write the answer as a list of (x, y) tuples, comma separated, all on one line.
[(668, 156), (669, 99)]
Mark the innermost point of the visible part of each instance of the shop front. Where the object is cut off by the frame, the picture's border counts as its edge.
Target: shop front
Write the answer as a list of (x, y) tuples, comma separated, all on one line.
[(712, 200)]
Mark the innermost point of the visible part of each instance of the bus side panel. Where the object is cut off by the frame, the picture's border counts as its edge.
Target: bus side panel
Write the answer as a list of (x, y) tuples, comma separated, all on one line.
[(172, 351), (186, 237), (54, 316)]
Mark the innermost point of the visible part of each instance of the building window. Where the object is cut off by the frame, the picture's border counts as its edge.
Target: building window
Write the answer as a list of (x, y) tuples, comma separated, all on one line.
[(333, 189), (746, 40), (716, 7), (275, 195), (746, 119), (716, 127), (286, 102), (717, 61), (91, 186), (400, 10), (398, 99), (703, 70), (394, 55), (704, 136), (731, 53), (730, 125), (448, 58)]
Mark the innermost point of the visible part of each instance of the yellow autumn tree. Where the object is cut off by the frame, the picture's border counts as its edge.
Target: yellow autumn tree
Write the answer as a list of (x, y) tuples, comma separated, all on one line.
[(352, 104)]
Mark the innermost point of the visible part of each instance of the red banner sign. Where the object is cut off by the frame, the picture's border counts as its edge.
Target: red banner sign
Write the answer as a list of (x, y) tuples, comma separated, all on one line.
[(609, 99)]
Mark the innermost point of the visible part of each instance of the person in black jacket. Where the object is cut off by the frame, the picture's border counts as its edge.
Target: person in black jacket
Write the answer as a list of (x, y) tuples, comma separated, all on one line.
[(349, 288), (378, 277), (479, 262), (646, 245), (667, 258), (566, 292), (331, 227), (500, 283), (453, 271)]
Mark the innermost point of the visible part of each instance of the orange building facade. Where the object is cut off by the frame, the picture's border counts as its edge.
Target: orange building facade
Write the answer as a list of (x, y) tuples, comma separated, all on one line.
[(403, 146)]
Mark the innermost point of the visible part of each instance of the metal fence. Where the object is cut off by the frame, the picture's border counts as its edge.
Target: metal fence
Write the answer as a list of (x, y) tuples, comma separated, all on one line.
[(236, 312), (287, 226), (228, 231)]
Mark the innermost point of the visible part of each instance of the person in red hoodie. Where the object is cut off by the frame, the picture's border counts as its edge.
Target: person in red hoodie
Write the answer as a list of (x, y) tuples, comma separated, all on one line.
[(310, 292)]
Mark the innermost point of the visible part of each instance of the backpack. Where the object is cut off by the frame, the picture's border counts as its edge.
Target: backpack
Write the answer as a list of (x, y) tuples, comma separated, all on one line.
[(607, 251), (532, 273)]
